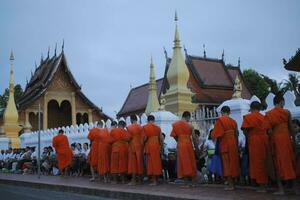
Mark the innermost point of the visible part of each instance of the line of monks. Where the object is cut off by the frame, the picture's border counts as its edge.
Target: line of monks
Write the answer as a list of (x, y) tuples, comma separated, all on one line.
[(270, 142), (124, 150)]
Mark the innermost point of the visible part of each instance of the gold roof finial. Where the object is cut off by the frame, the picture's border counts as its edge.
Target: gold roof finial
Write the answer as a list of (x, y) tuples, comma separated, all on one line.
[(152, 103), (176, 39), (12, 57)]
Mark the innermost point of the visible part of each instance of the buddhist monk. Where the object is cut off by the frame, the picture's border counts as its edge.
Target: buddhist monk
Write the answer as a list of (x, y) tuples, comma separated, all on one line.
[(182, 132), (135, 151), (104, 152), (281, 132), (152, 142), (63, 152), (94, 137), (225, 131), (254, 127), (119, 153)]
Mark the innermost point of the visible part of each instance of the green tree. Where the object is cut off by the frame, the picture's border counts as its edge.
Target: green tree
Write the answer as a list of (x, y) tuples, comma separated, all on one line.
[(274, 86), (4, 96), (256, 83), (292, 84)]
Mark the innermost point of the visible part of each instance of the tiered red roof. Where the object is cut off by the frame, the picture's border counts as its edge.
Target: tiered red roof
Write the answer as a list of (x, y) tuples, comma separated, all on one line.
[(210, 79)]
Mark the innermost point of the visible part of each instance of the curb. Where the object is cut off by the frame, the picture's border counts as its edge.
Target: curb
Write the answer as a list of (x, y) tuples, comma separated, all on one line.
[(90, 191)]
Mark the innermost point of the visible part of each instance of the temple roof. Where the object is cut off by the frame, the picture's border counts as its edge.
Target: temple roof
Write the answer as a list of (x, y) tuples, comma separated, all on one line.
[(210, 79), (294, 63), (136, 100), (43, 76)]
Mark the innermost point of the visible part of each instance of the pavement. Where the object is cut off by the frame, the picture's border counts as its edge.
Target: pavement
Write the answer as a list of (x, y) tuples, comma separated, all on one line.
[(9, 192), (54, 185)]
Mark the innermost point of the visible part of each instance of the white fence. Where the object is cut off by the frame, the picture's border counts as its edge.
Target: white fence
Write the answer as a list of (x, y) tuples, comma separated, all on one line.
[(79, 133)]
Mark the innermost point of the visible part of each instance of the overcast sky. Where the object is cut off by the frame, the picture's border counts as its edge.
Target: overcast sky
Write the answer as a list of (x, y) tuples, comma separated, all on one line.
[(108, 44)]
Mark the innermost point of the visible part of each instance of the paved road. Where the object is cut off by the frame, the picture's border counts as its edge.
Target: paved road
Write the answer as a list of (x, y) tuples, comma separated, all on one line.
[(24, 193)]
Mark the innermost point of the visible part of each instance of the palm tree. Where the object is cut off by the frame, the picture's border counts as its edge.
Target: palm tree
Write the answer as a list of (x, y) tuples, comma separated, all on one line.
[(292, 84)]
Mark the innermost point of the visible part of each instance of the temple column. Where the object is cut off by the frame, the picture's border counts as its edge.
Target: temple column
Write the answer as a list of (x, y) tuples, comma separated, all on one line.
[(28, 126), (90, 114), (73, 104), (45, 112)]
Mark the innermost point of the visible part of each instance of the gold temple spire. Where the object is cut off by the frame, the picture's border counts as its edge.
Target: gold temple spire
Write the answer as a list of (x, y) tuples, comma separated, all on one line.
[(152, 104), (11, 116), (178, 97)]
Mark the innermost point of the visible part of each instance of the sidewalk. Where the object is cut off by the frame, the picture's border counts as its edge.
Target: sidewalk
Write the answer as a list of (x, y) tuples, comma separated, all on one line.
[(119, 191)]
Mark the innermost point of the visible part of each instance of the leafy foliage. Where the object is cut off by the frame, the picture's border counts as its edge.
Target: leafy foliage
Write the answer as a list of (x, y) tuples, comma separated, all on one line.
[(4, 96), (256, 83)]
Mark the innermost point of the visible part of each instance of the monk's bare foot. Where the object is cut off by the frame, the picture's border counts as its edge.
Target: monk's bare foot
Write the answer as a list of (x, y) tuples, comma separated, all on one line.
[(92, 179), (132, 183), (153, 184), (261, 190), (185, 186), (229, 188), (280, 193)]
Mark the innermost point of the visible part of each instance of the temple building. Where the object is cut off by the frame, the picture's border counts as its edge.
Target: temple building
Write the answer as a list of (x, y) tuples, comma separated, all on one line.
[(53, 88), (188, 83), (294, 62)]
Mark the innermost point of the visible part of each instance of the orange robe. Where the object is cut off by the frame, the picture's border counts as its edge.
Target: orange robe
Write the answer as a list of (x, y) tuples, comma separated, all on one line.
[(94, 136), (152, 149), (135, 150), (258, 146), (63, 151), (185, 152), (282, 148), (119, 153), (225, 131), (104, 152)]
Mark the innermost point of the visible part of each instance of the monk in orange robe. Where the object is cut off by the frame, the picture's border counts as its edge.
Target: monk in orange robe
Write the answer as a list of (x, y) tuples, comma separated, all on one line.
[(225, 130), (104, 152), (135, 151), (119, 153), (94, 137), (281, 131), (182, 132), (152, 143), (63, 151), (254, 127)]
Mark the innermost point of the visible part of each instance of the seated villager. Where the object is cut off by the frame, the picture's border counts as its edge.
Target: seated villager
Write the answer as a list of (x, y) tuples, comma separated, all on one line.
[(84, 165), (26, 157), (164, 157), (296, 126)]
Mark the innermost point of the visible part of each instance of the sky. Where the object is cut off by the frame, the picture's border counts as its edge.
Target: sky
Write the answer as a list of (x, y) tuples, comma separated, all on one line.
[(108, 43)]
